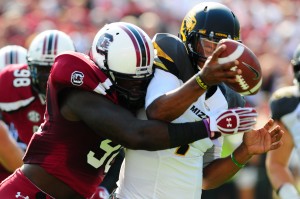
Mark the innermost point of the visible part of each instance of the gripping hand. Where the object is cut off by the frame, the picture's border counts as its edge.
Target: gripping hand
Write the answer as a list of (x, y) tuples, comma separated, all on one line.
[(232, 121)]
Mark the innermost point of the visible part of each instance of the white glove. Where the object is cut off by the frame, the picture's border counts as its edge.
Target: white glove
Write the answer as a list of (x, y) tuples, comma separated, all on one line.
[(232, 121), (288, 191)]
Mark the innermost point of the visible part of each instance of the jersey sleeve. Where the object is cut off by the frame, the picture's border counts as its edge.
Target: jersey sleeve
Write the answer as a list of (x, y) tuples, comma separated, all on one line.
[(15, 87), (171, 56), (73, 69), (160, 84)]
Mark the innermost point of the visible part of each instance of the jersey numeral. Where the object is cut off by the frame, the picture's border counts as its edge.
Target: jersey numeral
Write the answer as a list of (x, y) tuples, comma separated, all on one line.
[(108, 155), (182, 150), (22, 78)]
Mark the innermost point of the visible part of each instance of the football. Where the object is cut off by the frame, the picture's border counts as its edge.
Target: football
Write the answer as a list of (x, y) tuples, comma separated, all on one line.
[(249, 82)]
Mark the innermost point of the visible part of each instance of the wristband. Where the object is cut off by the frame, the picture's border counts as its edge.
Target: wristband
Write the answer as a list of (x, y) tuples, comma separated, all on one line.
[(200, 82), (239, 165)]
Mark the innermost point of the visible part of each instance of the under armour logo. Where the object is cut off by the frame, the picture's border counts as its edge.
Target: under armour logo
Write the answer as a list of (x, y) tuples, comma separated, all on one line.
[(18, 195), (228, 122)]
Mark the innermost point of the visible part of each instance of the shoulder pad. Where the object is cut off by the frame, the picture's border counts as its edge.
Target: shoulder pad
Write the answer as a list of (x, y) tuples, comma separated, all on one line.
[(233, 98), (73, 69), (284, 101), (171, 56), (15, 87)]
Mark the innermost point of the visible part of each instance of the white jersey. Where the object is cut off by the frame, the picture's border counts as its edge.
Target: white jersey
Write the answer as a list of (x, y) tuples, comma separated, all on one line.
[(177, 172), (174, 173)]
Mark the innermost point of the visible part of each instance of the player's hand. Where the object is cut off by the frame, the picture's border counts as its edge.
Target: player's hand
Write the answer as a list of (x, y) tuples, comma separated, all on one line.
[(232, 121), (264, 139), (214, 73), (100, 193)]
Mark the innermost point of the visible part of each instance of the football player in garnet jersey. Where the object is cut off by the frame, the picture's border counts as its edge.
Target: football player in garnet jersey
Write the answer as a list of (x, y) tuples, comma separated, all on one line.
[(22, 86), (285, 110), (181, 91), (11, 148), (84, 126)]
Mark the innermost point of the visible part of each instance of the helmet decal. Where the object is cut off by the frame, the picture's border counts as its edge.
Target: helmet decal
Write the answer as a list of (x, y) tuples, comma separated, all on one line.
[(103, 43), (142, 50), (188, 24), (190, 21), (50, 44)]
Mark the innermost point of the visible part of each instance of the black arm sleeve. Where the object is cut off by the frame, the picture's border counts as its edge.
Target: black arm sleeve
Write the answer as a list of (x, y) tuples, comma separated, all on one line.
[(186, 132)]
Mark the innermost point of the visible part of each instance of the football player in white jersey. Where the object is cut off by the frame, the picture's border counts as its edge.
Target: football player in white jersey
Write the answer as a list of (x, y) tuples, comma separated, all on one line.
[(285, 110), (179, 93)]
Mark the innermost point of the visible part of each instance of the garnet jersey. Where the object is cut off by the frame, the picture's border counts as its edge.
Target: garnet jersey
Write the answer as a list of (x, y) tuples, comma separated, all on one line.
[(70, 150), (285, 107), (177, 172), (19, 103)]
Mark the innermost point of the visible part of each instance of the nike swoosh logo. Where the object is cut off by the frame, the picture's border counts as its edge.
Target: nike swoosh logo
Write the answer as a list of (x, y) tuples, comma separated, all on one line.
[(253, 70)]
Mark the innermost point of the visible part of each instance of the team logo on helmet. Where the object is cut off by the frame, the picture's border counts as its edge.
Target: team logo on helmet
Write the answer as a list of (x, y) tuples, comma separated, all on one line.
[(34, 116), (103, 43), (77, 78), (190, 21), (188, 24)]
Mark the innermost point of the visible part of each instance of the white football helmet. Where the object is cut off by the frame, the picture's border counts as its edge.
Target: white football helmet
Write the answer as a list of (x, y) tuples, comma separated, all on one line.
[(125, 53), (42, 52), (12, 54)]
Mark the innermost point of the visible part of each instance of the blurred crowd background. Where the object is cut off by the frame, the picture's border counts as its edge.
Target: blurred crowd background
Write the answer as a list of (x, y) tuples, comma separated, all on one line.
[(269, 27)]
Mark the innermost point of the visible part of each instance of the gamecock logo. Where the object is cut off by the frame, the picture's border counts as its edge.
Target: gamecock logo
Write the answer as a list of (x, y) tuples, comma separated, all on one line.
[(77, 78), (103, 43)]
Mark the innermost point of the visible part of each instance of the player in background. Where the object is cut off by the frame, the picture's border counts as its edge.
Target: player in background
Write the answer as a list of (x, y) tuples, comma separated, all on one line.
[(12, 54), (285, 110), (85, 125), (187, 86), (11, 148), (24, 106)]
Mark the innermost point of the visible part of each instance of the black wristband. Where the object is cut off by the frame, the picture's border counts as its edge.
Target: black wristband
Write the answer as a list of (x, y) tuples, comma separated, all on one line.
[(185, 133)]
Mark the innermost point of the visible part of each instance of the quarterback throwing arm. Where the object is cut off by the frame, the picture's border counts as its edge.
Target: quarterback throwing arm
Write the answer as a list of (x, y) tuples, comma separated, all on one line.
[(172, 64)]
